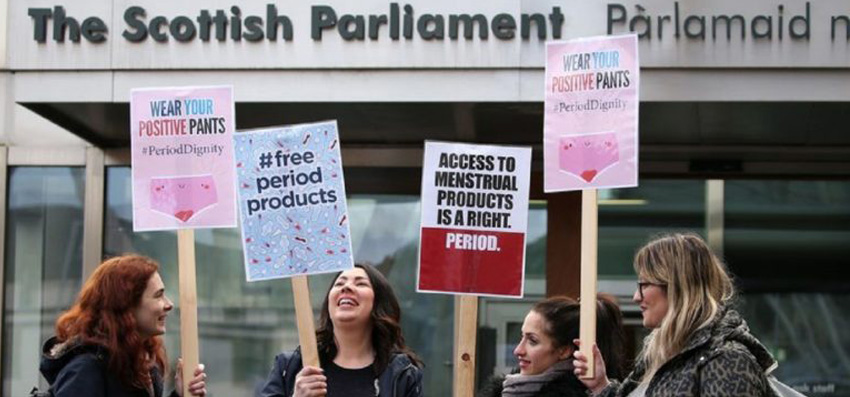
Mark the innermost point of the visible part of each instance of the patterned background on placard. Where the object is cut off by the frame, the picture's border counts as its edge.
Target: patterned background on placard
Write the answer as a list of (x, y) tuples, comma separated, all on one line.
[(299, 240)]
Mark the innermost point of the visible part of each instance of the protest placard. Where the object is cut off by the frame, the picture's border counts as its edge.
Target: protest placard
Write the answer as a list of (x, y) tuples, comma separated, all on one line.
[(472, 240), (590, 139), (292, 201), (182, 164), (293, 211), (474, 217), (182, 156), (590, 129)]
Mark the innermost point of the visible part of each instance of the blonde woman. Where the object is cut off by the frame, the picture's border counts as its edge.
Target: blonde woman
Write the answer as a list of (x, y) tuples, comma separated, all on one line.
[(699, 345)]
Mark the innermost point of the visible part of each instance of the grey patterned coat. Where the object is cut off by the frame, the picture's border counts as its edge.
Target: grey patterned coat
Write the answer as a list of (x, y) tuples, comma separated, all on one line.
[(721, 359)]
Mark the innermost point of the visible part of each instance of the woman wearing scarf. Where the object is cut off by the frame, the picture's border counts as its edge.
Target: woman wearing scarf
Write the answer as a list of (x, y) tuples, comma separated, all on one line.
[(546, 349)]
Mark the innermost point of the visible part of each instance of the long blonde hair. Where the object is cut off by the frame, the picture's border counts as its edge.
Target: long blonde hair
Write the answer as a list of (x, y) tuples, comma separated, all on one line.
[(698, 286)]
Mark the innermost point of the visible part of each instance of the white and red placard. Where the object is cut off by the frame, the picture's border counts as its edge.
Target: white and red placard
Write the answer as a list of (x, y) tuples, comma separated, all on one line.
[(182, 158), (474, 219), (590, 128)]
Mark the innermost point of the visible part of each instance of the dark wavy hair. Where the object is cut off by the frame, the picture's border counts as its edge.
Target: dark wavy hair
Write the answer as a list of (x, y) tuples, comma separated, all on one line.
[(562, 319), (104, 315), (387, 338)]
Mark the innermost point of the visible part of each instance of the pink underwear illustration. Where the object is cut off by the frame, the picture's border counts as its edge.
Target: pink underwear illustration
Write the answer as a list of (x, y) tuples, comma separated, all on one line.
[(587, 156), (182, 196)]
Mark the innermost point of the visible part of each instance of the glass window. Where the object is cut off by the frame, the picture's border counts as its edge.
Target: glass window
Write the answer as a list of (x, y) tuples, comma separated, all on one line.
[(43, 265), (788, 226), (807, 334), (787, 245), (535, 249), (628, 218), (243, 325)]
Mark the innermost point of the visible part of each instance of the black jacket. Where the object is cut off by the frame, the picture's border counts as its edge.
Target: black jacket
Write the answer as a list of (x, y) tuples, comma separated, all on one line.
[(720, 359), (567, 385), (81, 370), (402, 378)]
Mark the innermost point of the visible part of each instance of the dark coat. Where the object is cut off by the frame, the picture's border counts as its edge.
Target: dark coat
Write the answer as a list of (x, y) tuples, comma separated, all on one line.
[(81, 370), (402, 378), (566, 385), (721, 359)]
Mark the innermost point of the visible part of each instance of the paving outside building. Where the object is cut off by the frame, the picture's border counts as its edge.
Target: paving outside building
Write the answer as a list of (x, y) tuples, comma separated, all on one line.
[(744, 139)]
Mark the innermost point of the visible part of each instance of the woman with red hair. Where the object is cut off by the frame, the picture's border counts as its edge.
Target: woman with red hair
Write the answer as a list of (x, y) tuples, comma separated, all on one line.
[(109, 343)]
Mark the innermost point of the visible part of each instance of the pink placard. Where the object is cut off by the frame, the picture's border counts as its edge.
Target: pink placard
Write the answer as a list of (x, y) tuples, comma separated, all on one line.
[(182, 148), (590, 128)]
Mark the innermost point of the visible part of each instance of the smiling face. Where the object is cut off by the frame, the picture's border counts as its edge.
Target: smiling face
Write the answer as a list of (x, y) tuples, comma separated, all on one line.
[(153, 309), (351, 298), (536, 350)]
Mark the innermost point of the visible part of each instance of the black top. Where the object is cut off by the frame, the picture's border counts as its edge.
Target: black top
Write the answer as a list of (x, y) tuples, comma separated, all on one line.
[(401, 378), (75, 369), (359, 382)]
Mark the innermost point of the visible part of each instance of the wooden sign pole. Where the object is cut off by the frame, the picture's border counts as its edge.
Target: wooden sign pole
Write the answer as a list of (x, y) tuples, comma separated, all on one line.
[(465, 338), (188, 305), (304, 319), (589, 235)]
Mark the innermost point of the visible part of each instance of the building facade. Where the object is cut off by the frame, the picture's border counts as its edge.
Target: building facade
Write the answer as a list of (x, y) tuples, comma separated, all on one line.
[(744, 138)]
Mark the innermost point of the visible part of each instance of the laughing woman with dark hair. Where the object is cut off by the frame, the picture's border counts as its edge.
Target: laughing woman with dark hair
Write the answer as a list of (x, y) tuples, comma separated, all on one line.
[(361, 347), (110, 343)]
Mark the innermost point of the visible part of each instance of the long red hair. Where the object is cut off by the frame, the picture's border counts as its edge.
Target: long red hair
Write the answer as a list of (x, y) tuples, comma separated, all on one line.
[(104, 315)]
